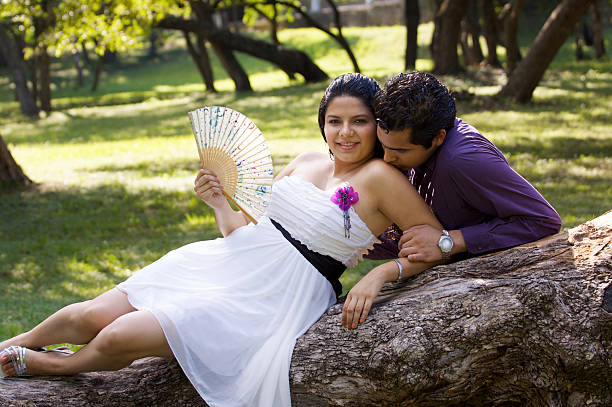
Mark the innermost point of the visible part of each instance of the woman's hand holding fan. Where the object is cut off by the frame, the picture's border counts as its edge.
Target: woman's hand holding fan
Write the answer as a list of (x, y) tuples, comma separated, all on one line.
[(233, 148), (209, 189)]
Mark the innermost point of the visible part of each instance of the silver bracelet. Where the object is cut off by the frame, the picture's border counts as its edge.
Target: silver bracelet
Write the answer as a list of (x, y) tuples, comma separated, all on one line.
[(399, 265)]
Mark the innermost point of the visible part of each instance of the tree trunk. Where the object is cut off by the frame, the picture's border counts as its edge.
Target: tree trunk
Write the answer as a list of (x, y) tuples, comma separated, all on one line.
[(272, 20), (556, 30), (489, 29), (76, 59), (598, 38), (98, 72), (14, 55), (233, 67), (202, 60), (85, 54), (412, 15), (11, 174), (33, 67), (340, 38), (290, 61), (513, 52), (274, 25), (446, 36), (153, 37), (470, 35), (45, 79), (578, 44), (529, 326)]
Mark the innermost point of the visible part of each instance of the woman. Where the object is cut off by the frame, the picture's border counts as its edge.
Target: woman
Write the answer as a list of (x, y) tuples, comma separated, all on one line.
[(231, 309)]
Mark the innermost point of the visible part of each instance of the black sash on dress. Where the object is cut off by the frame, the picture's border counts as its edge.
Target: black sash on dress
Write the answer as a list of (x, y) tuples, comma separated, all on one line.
[(329, 267)]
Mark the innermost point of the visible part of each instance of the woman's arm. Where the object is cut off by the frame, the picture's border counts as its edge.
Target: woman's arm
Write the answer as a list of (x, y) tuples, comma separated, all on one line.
[(208, 188), (400, 203)]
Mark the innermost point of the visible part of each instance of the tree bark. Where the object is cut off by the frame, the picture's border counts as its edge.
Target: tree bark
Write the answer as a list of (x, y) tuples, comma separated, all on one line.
[(554, 32), (14, 55), (76, 59), (598, 38), (98, 71), (489, 30), (202, 60), (272, 20), (578, 40), (513, 52), (288, 60), (340, 38), (470, 35), (412, 15), (45, 79), (11, 174), (528, 326), (233, 67), (447, 26)]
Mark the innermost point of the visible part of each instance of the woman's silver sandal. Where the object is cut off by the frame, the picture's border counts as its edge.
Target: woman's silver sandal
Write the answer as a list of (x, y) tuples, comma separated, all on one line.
[(17, 357)]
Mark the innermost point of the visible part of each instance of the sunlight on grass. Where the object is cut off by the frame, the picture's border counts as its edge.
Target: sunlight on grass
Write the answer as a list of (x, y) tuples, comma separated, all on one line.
[(115, 169)]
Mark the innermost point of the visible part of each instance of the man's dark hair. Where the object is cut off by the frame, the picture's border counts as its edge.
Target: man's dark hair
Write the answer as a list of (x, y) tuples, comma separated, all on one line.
[(415, 100), (351, 84)]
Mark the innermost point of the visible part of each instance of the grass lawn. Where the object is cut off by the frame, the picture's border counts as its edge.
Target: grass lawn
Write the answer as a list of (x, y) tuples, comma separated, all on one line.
[(115, 169)]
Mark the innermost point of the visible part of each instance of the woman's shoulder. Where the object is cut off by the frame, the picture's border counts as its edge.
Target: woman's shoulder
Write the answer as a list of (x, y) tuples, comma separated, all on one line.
[(380, 177), (380, 171)]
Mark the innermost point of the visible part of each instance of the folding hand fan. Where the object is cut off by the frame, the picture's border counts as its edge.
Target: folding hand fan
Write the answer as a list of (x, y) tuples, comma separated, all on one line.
[(232, 146)]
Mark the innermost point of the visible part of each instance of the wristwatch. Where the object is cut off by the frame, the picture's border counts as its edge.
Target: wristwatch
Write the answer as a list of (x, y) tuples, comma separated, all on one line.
[(445, 244)]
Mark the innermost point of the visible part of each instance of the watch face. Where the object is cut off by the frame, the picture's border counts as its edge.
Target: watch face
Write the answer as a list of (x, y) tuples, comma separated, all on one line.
[(446, 244)]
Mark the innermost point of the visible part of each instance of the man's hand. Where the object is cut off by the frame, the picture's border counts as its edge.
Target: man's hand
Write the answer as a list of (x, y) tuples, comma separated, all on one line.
[(420, 243)]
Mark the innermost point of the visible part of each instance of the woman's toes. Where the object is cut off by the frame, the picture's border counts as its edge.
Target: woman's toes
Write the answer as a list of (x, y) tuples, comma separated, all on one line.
[(8, 369)]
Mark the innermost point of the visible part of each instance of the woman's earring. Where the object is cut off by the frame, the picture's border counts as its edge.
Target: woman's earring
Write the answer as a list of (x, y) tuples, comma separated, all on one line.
[(331, 155)]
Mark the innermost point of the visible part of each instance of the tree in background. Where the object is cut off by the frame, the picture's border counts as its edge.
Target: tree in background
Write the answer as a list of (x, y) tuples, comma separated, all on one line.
[(555, 31), (470, 35), (490, 32), (287, 6), (11, 174), (34, 29), (13, 52), (225, 42), (447, 26), (510, 17), (412, 15)]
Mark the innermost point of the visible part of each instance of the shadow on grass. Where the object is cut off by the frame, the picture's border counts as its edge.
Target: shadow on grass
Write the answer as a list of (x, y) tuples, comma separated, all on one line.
[(558, 147)]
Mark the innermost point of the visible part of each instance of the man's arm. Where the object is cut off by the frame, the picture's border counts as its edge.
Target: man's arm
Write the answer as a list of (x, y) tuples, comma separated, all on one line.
[(513, 211)]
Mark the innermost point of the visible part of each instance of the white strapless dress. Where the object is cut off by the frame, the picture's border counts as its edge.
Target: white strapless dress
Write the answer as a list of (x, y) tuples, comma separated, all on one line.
[(232, 308)]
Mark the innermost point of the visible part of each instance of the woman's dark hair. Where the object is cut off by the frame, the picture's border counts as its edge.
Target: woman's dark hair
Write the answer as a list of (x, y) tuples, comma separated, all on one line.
[(416, 100), (351, 84)]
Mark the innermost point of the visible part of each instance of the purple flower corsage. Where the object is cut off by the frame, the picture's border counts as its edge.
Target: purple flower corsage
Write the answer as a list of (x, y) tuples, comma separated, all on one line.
[(344, 198)]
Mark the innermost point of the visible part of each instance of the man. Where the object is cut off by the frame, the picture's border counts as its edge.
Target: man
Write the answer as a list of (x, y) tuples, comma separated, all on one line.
[(483, 204)]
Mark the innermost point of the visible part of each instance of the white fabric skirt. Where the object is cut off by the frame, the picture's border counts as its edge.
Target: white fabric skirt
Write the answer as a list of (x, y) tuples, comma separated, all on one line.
[(232, 309)]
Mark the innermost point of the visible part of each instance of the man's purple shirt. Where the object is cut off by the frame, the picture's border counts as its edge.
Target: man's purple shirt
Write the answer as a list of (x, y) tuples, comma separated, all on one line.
[(470, 186)]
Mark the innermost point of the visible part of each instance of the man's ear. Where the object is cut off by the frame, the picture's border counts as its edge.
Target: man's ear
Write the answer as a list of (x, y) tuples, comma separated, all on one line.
[(439, 139)]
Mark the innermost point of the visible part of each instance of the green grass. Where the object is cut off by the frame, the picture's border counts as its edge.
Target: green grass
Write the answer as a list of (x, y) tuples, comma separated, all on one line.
[(115, 169)]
